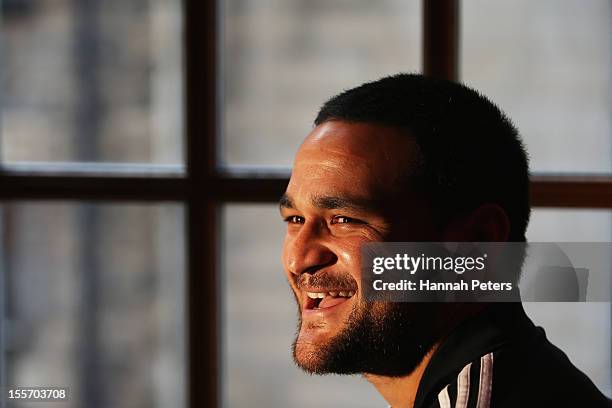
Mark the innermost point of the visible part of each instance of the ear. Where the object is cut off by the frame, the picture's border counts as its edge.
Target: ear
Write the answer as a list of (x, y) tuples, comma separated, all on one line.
[(487, 223)]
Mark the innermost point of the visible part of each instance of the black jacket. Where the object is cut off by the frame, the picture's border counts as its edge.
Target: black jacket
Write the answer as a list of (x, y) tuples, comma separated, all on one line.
[(501, 359)]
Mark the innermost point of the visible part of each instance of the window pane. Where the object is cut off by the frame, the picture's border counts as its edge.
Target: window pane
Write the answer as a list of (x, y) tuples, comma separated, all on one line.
[(284, 58), (93, 80), (563, 225), (94, 302), (259, 322), (586, 339), (547, 64)]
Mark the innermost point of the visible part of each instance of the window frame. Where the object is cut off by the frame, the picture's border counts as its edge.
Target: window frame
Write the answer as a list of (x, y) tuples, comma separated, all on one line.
[(205, 186)]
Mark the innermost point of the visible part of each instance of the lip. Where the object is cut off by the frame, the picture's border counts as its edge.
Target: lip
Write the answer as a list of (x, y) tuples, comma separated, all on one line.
[(308, 303)]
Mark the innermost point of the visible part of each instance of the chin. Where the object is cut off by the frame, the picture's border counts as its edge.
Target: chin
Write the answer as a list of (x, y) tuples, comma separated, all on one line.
[(384, 340), (308, 357), (311, 352), (325, 352)]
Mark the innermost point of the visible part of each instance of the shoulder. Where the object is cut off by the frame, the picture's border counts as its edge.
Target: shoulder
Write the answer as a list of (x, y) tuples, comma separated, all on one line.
[(532, 374), (537, 373), (501, 359)]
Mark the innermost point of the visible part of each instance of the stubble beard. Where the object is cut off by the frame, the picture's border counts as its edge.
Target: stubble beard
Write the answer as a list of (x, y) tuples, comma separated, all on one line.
[(380, 338)]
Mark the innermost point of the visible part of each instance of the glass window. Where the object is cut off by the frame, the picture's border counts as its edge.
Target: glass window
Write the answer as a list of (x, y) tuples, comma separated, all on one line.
[(569, 225), (283, 58), (91, 81), (547, 64), (586, 340), (93, 300)]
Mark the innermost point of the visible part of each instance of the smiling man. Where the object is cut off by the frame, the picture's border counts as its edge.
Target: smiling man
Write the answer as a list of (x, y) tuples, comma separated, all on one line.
[(410, 158)]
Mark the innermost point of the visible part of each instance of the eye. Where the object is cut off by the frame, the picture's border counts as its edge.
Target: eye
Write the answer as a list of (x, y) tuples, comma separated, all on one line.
[(294, 219), (341, 219)]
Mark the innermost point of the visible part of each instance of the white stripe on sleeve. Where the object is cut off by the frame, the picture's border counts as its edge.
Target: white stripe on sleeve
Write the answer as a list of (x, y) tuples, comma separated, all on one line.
[(444, 399), (486, 381), (463, 387)]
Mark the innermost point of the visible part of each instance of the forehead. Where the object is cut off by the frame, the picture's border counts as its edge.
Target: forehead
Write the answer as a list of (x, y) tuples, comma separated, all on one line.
[(356, 159)]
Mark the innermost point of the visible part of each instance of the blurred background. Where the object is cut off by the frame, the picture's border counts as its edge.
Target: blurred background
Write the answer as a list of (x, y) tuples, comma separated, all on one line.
[(93, 293)]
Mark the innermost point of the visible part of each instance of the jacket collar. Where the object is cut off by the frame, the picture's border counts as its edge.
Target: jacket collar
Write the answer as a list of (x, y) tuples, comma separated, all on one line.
[(497, 325)]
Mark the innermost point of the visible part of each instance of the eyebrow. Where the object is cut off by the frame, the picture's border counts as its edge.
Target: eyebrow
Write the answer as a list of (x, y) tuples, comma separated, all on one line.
[(285, 202), (334, 203)]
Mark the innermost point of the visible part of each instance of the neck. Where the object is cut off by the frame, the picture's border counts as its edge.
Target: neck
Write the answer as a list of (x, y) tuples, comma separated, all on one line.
[(400, 392)]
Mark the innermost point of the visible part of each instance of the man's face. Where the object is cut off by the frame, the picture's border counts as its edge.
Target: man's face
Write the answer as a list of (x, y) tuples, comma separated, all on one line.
[(345, 191)]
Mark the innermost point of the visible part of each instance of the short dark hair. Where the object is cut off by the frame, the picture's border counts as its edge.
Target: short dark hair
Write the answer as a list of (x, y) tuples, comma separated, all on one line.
[(472, 153)]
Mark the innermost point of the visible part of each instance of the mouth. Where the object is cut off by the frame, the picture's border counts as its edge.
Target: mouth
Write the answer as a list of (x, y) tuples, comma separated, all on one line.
[(326, 299)]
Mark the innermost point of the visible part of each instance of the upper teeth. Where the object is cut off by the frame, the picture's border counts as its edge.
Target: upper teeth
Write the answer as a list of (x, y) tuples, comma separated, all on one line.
[(321, 295)]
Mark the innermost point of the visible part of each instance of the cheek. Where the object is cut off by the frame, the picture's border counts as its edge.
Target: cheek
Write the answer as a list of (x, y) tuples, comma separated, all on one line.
[(285, 262), (349, 254), (286, 252)]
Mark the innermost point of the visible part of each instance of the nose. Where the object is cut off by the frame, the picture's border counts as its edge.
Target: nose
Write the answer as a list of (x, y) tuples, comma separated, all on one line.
[(307, 250)]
